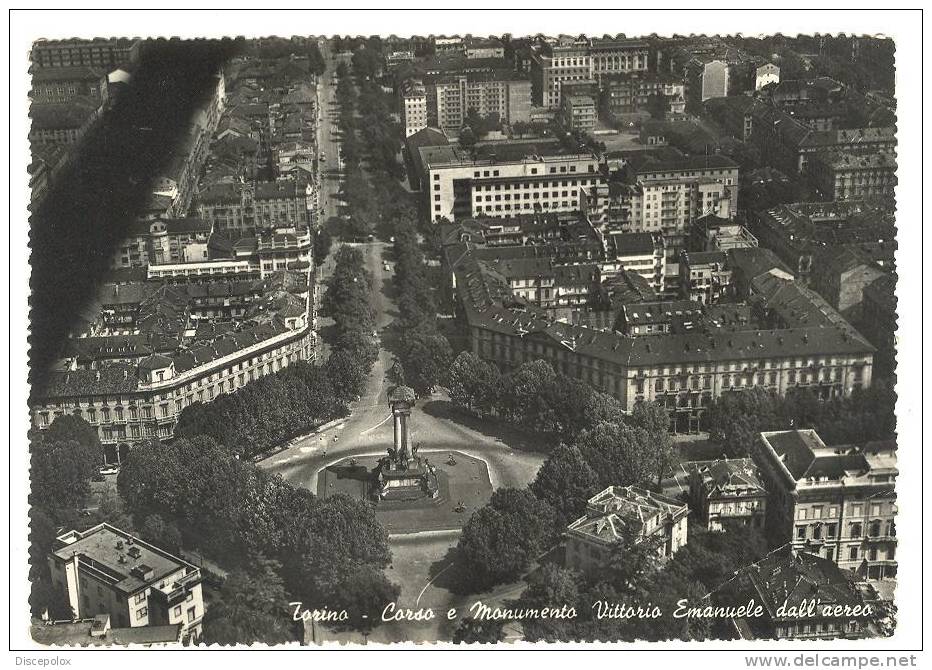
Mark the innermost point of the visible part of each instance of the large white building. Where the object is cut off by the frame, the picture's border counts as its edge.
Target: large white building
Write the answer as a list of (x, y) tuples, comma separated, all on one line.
[(505, 179)]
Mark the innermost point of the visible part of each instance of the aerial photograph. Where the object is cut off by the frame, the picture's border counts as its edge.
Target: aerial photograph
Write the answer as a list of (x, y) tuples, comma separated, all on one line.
[(453, 338)]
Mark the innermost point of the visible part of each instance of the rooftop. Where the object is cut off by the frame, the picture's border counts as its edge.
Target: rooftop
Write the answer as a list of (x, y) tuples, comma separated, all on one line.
[(126, 562), (617, 509)]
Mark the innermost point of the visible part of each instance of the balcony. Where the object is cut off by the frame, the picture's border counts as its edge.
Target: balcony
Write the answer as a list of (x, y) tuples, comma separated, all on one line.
[(176, 592)]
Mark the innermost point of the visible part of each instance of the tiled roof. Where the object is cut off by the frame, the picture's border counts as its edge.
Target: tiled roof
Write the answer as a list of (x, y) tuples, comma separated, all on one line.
[(609, 512), (786, 577)]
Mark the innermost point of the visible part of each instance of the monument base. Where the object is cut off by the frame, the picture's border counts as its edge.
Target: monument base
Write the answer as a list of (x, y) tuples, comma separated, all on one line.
[(413, 481)]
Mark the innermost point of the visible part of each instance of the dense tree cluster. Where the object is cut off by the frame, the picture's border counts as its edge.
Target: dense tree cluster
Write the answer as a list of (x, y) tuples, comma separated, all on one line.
[(503, 538), (735, 419), (634, 576), (533, 397), (64, 459), (229, 509), (601, 447), (271, 410)]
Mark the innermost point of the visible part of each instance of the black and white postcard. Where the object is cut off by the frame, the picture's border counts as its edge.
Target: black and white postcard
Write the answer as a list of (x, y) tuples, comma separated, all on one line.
[(365, 330)]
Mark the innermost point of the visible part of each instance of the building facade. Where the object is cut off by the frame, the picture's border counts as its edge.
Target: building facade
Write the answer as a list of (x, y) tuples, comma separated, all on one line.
[(413, 106), (457, 186), (103, 53), (727, 491), (107, 571), (620, 513), (835, 502)]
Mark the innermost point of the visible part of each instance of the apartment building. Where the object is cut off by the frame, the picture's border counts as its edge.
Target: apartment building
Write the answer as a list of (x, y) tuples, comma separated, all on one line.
[(619, 513), (844, 175), (571, 60), (835, 502), (240, 208), (725, 492), (413, 106), (107, 571), (103, 53), (579, 112), (567, 60), (160, 241), (664, 195), (505, 95), (633, 93), (802, 233), (784, 584), (61, 85), (643, 253)]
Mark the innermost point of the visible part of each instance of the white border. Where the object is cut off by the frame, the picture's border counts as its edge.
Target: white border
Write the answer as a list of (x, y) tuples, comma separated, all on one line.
[(904, 27)]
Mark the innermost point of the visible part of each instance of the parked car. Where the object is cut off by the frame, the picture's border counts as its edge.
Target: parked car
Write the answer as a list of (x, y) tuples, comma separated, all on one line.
[(108, 469)]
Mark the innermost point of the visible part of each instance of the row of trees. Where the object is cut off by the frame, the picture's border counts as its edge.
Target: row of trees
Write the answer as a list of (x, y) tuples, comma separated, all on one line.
[(346, 301), (271, 410), (275, 538), (371, 135), (424, 354), (734, 419), (533, 397)]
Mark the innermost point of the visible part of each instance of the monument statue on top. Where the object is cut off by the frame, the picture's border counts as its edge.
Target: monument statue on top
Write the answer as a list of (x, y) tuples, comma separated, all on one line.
[(403, 475)]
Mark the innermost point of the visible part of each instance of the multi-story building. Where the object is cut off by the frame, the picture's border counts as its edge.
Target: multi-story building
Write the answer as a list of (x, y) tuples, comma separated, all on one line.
[(570, 60), (62, 123), (785, 584), (160, 241), (786, 142), (879, 321), (642, 253), (664, 195), (413, 106), (704, 275), (159, 348), (847, 175), (835, 502), (842, 277), (476, 48), (715, 233), (632, 93), (553, 64), (504, 179), (684, 371), (705, 79), (106, 571), (609, 57), (451, 97), (243, 208), (61, 85), (579, 112), (625, 513), (803, 233), (102, 53), (765, 75), (726, 491)]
